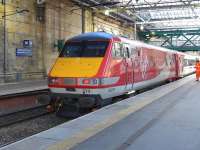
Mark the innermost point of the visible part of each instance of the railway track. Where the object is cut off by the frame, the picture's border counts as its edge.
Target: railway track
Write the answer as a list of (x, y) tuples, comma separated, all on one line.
[(29, 93), (19, 107), (37, 111), (23, 115)]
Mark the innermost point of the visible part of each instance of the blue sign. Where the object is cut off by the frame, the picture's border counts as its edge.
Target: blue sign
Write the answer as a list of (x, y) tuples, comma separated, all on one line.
[(24, 52), (27, 44)]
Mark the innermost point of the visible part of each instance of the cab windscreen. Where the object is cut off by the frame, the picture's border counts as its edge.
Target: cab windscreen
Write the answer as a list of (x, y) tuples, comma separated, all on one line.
[(84, 49)]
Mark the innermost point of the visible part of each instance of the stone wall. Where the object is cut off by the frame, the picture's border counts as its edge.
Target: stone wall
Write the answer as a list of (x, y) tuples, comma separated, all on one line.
[(20, 27), (1, 48), (61, 23), (96, 21), (62, 20)]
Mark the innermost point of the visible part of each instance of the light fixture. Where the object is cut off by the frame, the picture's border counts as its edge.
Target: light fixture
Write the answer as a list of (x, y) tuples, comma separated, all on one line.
[(107, 12), (142, 27), (153, 33)]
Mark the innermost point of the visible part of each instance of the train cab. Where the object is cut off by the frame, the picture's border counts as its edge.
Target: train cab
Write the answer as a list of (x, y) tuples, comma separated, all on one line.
[(80, 70)]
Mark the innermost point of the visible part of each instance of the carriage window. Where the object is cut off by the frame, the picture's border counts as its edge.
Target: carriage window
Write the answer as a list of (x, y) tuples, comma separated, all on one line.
[(117, 50), (173, 59), (185, 62), (188, 62), (191, 62), (126, 52), (134, 51)]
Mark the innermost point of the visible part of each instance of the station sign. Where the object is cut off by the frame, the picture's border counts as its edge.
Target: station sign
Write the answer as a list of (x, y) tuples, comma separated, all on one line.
[(24, 52), (27, 44)]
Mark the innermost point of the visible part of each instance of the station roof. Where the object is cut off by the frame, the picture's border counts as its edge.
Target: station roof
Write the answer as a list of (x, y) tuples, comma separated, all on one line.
[(153, 14), (158, 14)]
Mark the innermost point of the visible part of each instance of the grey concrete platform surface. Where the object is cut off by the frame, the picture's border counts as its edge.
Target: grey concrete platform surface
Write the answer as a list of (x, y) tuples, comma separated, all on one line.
[(21, 87), (165, 118)]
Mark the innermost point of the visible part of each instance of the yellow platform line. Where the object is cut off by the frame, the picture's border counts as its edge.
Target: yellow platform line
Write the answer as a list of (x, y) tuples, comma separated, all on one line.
[(89, 132)]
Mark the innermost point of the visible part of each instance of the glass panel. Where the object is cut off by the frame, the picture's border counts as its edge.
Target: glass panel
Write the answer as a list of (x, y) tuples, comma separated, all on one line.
[(116, 50), (85, 49)]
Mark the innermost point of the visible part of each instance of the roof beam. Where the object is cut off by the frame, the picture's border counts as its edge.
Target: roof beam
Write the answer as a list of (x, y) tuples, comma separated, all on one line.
[(166, 21), (90, 3), (161, 5)]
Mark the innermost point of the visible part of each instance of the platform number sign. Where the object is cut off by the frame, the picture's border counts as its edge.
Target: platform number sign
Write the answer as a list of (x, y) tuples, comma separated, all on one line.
[(27, 44)]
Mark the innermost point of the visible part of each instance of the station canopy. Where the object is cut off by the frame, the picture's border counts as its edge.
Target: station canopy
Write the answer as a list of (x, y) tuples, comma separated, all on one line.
[(153, 14), (174, 24), (159, 14)]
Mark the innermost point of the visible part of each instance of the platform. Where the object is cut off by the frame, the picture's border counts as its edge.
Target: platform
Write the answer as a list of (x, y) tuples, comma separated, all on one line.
[(165, 118), (21, 87)]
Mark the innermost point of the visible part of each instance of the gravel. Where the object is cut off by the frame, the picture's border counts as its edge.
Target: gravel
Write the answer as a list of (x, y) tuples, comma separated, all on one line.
[(24, 129)]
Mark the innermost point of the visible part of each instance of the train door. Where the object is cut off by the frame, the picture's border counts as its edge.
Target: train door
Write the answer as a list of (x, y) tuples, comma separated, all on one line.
[(176, 65), (129, 67), (179, 65), (119, 63)]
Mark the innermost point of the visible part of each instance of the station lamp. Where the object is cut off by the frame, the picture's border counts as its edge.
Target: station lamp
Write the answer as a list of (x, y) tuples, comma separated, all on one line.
[(153, 33), (141, 28), (107, 12)]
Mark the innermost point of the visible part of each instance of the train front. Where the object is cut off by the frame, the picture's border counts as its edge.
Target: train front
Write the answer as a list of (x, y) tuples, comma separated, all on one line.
[(75, 77)]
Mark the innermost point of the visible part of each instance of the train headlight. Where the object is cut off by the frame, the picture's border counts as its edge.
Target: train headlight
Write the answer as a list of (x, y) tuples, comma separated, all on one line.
[(89, 81), (52, 80), (98, 81)]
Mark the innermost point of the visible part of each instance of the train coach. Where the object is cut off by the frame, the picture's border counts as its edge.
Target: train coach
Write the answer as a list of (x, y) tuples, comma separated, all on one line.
[(95, 67)]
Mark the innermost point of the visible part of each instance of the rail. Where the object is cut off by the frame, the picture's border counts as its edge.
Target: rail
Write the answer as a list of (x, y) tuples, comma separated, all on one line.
[(22, 102), (29, 93), (22, 115)]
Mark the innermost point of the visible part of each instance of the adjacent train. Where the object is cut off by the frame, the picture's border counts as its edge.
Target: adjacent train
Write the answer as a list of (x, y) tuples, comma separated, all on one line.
[(95, 67)]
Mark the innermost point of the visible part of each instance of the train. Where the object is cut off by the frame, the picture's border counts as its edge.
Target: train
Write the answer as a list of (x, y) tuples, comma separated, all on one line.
[(93, 68)]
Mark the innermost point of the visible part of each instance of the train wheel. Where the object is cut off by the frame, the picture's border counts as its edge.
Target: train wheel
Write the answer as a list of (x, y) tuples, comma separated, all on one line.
[(58, 105), (117, 99)]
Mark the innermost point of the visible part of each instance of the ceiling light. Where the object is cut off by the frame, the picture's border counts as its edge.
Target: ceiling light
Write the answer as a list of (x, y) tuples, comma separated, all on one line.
[(141, 27), (107, 12)]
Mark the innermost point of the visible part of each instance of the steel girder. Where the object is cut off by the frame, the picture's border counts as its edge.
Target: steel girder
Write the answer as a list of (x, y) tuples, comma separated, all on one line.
[(181, 40)]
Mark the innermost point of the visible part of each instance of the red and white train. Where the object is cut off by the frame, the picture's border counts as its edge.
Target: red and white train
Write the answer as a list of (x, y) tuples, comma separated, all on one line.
[(98, 66)]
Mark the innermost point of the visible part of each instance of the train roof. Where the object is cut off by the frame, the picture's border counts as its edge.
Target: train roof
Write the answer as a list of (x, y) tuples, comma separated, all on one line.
[(92, 36), (142, 44), (107, 36)]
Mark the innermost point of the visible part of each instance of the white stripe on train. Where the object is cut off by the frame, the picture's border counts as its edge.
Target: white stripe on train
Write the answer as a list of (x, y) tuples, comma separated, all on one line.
[(115, 91)]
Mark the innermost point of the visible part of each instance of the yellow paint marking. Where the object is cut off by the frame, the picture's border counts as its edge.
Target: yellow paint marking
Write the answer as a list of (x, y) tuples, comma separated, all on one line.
[(76, 67), (89, 132)]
